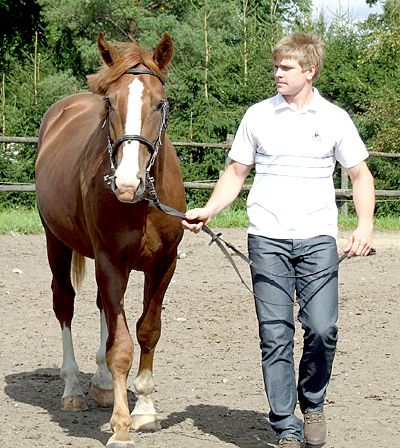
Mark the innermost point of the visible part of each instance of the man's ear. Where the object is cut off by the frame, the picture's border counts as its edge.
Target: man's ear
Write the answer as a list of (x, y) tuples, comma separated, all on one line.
[(312, 70)]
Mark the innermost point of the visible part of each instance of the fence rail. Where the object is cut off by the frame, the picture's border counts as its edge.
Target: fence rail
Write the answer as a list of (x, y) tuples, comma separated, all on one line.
[(342, 194), (222, 145)]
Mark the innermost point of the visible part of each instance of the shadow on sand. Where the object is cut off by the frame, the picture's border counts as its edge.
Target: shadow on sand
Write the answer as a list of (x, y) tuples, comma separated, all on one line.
[(43, 388)]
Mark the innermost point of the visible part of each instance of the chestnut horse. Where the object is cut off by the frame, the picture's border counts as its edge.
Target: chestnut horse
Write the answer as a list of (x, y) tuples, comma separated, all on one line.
[(100, 156)]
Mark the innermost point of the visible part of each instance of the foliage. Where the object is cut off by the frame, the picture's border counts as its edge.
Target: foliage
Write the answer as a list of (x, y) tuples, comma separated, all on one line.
[(27, 97), (19, 20), (73, 25), (220, 67)]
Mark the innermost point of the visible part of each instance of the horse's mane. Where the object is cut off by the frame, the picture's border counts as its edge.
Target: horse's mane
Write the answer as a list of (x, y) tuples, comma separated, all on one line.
[(127, 56)]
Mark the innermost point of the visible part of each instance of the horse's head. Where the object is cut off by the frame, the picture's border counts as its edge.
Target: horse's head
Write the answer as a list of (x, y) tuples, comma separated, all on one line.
[(132, 83)]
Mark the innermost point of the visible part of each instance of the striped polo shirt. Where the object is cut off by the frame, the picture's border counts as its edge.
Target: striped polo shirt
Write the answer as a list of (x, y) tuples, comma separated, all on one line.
[(294, 153)]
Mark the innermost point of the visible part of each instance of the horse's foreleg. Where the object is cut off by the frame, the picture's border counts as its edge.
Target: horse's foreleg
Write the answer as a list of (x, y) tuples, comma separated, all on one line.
[(119, 348), (101, 385), (148, 329), (73, 398), (60, 257)]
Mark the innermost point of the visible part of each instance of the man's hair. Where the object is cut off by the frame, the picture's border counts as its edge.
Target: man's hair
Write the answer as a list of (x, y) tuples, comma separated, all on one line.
[(307, 49)]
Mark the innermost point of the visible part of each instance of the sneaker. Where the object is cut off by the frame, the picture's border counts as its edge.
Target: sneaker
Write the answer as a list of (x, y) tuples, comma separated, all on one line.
[(315, 428), (289, 442)]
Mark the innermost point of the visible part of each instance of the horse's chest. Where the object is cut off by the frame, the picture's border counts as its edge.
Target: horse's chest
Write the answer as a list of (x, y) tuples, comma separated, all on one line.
[(141, 253)]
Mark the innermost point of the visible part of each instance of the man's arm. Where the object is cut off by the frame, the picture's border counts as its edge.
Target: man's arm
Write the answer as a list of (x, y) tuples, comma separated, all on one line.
[(360, 240), (225, 192)]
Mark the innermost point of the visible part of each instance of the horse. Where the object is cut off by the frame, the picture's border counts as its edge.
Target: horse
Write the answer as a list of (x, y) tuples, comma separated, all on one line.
[(101, 154)]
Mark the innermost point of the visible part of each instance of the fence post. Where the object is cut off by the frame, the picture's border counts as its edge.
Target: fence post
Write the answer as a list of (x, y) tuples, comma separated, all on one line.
[(344, 184)]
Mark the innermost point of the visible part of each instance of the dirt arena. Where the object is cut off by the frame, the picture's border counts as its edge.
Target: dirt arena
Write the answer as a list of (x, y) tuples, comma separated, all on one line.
[(209, 390)]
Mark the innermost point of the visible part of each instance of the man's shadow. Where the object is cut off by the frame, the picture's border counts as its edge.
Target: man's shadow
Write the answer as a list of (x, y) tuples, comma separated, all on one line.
[(43, 388), (241, 428)]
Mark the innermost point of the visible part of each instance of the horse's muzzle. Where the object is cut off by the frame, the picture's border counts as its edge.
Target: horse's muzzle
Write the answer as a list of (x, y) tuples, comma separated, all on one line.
[(130, 193)]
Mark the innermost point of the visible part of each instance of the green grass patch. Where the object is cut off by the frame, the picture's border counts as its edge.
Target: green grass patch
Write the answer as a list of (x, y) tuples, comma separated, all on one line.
[(20, 220), (381, 223), (27, 221), (230, 218), (238, 218)]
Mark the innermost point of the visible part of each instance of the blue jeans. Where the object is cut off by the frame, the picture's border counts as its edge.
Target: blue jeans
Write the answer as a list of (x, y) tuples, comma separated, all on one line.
[(318, 312)]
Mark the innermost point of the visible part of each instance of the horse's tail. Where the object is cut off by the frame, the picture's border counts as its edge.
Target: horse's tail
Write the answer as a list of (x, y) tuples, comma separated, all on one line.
[(78, 270)]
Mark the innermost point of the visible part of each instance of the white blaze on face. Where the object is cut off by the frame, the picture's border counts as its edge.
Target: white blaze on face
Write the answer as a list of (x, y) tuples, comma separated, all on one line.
[(128, 168)]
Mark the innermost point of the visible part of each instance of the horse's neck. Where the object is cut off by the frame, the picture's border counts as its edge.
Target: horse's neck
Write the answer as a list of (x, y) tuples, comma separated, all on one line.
[(162, 163), (95, 157)]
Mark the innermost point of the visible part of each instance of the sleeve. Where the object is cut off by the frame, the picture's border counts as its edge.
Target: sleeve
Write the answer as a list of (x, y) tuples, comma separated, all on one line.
[(244, 147), (350, 149)]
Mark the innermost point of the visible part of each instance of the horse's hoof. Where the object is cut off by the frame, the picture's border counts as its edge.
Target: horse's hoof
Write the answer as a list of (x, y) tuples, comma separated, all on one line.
[(145, 423), (74, 403), (120, 445), (103, 397), (114, 443)]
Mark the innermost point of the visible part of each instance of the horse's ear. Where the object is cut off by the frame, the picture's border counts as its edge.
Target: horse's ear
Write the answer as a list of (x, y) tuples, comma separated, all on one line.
[(163, 53), (107, 51)]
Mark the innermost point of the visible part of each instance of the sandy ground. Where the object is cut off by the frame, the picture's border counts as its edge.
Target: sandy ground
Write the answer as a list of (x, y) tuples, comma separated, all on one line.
[(209, 390)]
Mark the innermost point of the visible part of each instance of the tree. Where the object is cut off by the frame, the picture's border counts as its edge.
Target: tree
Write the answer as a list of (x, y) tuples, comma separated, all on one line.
[(220, 67), (19, 21)]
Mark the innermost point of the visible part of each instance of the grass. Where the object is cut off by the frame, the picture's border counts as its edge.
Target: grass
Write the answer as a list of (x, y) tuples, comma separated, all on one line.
[(20, 220), (238, 218), (27, 221), (382, 223)]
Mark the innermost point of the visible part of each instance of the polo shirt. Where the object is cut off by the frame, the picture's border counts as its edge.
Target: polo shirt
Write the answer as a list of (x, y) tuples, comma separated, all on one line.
[(294, 153)]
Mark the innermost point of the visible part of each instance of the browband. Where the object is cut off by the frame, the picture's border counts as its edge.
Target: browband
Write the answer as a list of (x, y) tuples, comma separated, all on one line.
[(144, 71)]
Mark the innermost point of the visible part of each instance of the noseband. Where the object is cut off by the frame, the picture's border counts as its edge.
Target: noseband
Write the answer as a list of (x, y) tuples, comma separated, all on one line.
[(153, 146)]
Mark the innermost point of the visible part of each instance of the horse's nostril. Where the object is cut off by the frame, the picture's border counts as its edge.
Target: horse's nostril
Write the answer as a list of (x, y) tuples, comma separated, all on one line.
[(127, 184)]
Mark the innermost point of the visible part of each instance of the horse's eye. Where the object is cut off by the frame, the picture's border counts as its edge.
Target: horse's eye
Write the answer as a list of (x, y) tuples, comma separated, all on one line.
[(160, 104)]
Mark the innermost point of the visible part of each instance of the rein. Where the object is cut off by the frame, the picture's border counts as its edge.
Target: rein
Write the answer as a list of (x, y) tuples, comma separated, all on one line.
[(225, 245)]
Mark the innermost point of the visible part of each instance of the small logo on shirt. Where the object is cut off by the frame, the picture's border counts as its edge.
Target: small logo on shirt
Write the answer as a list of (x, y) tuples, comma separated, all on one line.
[(316, 136)]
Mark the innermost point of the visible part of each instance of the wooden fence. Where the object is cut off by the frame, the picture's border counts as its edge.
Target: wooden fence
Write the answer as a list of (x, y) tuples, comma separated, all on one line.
[(343, 194)]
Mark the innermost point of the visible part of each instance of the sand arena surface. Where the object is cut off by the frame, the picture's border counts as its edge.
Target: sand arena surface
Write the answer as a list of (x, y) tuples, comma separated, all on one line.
[(209, 390)]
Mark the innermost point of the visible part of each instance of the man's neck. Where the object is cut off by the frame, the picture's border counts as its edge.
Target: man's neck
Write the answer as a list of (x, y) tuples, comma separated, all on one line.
[(301, 99)]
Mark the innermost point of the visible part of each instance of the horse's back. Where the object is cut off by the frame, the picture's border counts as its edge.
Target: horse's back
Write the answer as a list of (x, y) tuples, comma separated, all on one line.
[(67, 124)]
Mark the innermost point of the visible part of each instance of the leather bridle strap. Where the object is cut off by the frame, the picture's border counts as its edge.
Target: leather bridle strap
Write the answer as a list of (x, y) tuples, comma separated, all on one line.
[(223, 245), (153, 147), (144, 71), (130, 138), (216, 237)]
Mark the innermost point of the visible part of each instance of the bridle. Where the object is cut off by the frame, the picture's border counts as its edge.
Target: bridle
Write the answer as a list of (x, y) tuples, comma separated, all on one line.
[(153, 146)]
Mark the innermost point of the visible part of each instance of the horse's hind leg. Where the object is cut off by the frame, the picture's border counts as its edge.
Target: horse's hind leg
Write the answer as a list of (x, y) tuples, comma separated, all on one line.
[(148, 329), (60, 257), (101, 385)]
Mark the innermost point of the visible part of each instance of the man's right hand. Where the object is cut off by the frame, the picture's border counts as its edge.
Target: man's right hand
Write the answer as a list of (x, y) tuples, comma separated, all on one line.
[(196, 218)]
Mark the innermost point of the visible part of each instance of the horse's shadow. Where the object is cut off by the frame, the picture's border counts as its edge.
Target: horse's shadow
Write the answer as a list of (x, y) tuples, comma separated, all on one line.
[(43, 388)]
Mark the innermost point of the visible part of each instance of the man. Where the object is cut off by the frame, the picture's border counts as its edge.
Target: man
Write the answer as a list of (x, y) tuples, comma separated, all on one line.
[(294, 140)]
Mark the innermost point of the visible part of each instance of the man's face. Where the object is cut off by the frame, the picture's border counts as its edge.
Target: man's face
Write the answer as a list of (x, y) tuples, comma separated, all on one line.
[(290, 77)]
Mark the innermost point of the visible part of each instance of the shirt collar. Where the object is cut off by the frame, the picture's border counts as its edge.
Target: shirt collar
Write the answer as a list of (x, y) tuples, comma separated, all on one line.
[(280, 103)]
